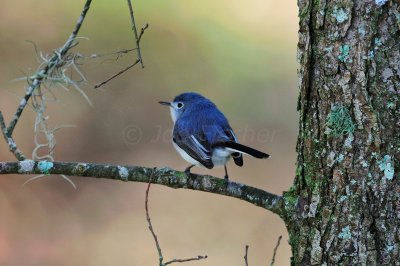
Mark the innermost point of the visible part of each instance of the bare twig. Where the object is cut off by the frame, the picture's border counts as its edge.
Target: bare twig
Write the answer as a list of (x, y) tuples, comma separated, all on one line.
[(116, 75), (139, 54), (186, 260), (142, 32), (37, 79), (137, 38), (160, 255), (245, 255), (146, 203), (118, 54), (275, 250)]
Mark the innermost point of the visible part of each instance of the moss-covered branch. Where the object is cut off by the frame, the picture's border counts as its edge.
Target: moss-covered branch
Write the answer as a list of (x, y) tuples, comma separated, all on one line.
[(162, 176)]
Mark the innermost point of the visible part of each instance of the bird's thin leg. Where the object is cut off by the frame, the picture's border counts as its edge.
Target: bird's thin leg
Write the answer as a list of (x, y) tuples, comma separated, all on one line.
[(226, 174), (187, 170)]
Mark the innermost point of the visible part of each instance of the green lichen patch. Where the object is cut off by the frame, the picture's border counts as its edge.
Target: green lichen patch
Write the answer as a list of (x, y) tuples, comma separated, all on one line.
[(386, 166), (371, 55), (344, 55), (390, 105), (361, 31), (45, 166), (290, 200), (345, 233), (328, 49), (340, 158), (339, 122), (340, 14), (377, 42)]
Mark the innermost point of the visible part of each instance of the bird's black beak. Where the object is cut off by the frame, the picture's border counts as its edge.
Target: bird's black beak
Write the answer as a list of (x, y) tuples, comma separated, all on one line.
[(165, 103)]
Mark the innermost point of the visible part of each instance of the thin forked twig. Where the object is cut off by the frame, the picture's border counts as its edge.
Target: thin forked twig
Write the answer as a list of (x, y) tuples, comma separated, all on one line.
[(116, 75), (245, 255), (137, 38), (142, 32), (160, 255), (185, 260), (118, 55), (146, 205), (275, 250), (138, 60)]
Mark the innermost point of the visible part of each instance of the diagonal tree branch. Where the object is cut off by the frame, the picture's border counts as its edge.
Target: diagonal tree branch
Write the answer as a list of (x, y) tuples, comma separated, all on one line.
[(116, 75), (42, 74), (162, 176), (137, 38), (10, 141)]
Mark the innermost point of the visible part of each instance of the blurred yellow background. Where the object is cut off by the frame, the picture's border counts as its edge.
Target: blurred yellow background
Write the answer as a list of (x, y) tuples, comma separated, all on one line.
[(240, 54)]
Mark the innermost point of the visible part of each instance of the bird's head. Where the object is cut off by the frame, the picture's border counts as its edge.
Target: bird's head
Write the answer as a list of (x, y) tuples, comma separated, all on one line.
[(183, 102)]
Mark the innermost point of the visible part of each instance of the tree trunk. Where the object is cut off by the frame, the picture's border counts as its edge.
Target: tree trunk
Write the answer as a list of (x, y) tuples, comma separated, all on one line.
[(344, 206)]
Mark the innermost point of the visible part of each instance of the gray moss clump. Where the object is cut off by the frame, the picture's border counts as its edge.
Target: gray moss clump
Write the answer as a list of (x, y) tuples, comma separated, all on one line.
[(339, 122)]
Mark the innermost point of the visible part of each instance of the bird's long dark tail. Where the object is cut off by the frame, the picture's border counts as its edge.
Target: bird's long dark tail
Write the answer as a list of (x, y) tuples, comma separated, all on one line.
[(237, 147)]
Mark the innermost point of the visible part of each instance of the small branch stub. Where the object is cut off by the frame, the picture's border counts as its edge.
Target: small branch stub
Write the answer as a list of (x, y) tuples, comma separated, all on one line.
[(275, 250), (246, 263)]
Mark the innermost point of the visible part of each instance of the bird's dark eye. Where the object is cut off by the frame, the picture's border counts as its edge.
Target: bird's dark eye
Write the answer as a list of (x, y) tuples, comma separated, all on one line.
[(179, 105)]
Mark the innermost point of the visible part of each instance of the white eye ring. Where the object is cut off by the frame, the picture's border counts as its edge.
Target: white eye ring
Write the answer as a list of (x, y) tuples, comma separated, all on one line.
[(179, 105)]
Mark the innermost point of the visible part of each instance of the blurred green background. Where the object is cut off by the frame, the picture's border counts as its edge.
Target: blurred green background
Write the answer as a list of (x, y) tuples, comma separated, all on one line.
[(241, 54)]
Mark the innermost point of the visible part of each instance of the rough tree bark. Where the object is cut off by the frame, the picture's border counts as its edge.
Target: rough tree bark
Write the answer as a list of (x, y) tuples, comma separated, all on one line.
[(344, 206)]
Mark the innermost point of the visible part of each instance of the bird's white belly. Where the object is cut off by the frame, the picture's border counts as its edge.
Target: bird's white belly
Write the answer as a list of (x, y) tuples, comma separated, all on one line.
[(185, 156), (219, 157)]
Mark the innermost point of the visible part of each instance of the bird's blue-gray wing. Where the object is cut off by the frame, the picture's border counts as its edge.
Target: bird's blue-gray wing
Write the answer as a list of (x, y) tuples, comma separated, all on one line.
[(194, 143)]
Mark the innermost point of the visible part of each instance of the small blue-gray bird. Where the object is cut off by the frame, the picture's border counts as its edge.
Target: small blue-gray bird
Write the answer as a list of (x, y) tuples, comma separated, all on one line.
[(202, 134)]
